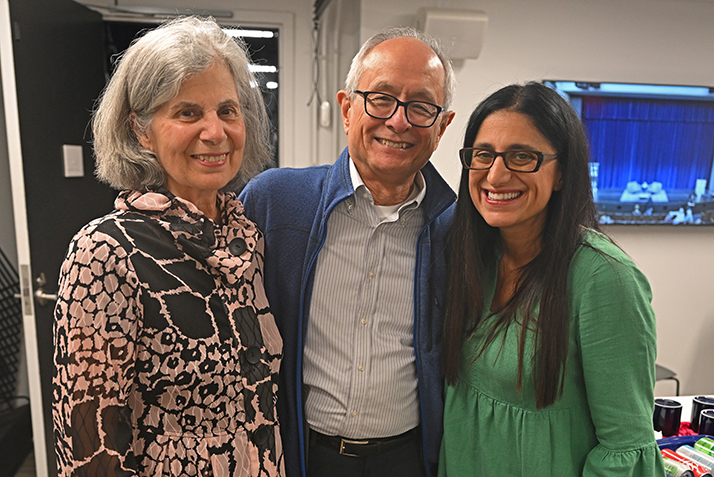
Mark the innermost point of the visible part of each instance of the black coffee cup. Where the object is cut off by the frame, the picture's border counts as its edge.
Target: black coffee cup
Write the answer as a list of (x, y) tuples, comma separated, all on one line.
[(667, 416), (699, 403), (706, 422)]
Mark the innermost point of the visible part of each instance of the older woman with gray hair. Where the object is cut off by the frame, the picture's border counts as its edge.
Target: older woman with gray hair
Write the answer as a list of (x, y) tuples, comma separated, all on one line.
[(167, 353)]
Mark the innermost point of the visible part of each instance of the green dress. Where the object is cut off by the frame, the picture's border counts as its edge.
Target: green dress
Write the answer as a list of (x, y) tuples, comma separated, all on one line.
[(602, 425)]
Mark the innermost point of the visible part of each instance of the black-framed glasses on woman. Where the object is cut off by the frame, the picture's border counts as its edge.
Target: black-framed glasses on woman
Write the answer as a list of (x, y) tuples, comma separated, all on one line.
[(383, 106), (523, 160)]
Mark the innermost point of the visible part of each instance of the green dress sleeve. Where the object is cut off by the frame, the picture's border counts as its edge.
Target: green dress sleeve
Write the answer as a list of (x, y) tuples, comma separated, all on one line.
[(616, 336)]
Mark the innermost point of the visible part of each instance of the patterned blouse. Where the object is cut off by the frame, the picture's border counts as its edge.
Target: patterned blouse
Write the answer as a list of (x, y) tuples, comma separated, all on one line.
[(166, 351)]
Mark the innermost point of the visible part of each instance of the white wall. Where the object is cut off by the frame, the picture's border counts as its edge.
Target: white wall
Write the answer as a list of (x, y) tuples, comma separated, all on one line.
[(340, 39), (659, 41)]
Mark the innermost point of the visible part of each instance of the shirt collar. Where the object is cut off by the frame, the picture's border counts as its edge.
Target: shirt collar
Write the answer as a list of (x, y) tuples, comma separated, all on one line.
[(416, 195)]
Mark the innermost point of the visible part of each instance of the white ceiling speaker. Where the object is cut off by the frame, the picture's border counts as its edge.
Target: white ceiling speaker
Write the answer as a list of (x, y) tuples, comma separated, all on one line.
[(462, 32)]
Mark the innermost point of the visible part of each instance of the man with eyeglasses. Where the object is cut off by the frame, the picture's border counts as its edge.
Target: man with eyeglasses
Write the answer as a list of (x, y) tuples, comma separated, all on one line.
[(354, 272)]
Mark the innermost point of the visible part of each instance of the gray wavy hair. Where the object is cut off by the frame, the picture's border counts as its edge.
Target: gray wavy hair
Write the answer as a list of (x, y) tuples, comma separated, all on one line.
[(150, 74), (357, 66)]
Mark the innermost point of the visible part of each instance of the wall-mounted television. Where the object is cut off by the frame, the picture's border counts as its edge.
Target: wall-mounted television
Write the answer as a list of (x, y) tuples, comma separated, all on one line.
[(651, 150)]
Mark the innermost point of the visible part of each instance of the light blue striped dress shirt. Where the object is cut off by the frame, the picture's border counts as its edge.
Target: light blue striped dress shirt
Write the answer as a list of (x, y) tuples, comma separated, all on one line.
[(359, 368)]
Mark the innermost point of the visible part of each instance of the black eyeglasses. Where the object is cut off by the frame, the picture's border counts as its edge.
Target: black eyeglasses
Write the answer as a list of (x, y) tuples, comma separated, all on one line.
[(479, 159), (383, 106)]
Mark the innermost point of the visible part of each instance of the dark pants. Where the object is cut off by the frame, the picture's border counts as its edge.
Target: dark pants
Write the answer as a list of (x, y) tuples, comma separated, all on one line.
[(402, 461)]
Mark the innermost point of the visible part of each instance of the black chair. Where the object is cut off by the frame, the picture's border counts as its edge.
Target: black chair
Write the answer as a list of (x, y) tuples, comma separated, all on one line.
[(664, 373)]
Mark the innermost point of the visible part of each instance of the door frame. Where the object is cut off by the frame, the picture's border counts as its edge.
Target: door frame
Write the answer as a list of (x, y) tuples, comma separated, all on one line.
[(22, 237)]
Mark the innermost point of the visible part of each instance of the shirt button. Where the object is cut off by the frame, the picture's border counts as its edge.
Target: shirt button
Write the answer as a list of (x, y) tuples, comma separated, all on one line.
[(260, 436), (253, 354), (363, 321), (354, 413), (237, 246), (350, 207), (371, 274), (361, 367)]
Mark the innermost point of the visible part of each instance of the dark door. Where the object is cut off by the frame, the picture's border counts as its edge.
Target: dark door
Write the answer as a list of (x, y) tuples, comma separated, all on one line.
[(59, 70)]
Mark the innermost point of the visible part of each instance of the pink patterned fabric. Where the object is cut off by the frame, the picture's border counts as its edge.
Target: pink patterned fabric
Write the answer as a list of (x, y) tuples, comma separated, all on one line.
[(166, 353)]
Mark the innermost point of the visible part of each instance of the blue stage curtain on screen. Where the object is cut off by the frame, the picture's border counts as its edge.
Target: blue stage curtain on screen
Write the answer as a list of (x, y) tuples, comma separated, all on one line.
[(647, 140)]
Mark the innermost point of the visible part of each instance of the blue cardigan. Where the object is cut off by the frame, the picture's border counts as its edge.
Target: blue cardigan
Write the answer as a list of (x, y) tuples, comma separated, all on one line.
[(291, 207)]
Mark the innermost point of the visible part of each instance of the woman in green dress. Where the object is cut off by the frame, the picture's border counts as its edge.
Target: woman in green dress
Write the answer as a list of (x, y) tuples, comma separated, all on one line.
[(549, 339)]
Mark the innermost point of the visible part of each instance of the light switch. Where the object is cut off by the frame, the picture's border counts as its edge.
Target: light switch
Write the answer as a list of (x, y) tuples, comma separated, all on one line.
[(73, 162)]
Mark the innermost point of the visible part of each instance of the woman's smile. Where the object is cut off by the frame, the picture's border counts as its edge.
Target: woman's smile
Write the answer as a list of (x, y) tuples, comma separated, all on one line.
[(498, 197)]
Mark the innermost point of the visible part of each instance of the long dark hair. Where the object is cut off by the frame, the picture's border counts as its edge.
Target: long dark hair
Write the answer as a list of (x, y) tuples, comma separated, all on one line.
[(474, 245)]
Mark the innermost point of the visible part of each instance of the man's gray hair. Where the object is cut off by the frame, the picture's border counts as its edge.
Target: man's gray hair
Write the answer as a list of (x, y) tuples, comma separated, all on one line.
[(357, 67), (149, 75)]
